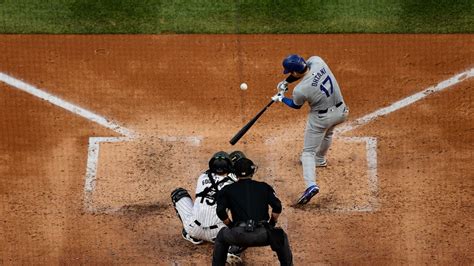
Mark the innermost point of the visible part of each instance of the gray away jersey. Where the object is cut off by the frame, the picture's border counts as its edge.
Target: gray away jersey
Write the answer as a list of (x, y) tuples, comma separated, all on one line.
[(318, 87)]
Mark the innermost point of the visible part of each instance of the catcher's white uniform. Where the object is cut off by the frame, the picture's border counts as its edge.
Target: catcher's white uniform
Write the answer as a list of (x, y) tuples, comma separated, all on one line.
[(199, 218)]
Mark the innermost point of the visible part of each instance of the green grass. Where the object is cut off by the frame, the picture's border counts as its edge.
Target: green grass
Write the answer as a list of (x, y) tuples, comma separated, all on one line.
[(236, 16)]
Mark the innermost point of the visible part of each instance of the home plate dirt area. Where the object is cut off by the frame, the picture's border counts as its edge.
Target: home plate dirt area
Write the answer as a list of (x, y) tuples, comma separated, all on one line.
[(97, 130)]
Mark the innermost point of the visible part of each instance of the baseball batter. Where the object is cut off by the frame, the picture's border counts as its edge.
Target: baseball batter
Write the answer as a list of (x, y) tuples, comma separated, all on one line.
[(319, 88), (199, 218)]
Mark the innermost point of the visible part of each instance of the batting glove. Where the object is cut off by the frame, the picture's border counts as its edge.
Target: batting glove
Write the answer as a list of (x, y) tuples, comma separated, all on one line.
[(282, 86), (278, 97)]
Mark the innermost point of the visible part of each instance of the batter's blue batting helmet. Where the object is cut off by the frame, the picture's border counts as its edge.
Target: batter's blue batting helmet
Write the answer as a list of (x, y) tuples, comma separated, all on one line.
[(294, 63)]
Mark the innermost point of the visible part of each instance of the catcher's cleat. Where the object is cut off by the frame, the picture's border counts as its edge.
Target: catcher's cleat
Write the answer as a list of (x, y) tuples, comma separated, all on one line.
[(191, 239), (308, 194)]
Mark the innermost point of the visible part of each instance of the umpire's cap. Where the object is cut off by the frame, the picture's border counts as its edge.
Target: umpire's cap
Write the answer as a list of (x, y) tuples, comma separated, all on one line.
[(244, 167)]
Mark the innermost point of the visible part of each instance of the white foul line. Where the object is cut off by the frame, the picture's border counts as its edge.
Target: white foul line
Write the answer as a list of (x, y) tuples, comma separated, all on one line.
[(94, 142), (407, 101), (371, 142), (64, 104)]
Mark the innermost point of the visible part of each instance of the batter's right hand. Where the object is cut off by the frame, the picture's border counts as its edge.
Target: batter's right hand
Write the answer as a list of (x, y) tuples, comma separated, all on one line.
[(282, 86)]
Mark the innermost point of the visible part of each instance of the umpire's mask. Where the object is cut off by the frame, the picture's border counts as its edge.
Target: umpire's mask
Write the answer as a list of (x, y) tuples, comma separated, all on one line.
[(236, 155), (244, 168)]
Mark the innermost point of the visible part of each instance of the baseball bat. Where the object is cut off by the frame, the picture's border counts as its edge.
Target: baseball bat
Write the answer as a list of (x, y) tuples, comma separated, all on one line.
[(246, 128)]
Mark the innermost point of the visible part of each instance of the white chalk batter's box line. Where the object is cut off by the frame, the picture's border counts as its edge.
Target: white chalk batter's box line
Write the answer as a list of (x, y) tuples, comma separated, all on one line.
[(93, 160), (94, 142)]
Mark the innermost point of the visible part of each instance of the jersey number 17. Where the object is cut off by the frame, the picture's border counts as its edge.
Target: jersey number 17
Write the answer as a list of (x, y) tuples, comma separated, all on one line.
[(326, 86)]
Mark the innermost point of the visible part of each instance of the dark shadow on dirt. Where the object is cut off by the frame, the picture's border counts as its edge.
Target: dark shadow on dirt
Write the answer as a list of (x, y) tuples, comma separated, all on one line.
[(143, 209)]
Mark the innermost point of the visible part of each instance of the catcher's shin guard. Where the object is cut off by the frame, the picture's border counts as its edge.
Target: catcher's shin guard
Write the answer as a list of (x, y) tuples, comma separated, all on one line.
[(176, 195)]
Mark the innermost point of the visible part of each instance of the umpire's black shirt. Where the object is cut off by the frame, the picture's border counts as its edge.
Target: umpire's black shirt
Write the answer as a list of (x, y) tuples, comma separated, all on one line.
[(247, 199)]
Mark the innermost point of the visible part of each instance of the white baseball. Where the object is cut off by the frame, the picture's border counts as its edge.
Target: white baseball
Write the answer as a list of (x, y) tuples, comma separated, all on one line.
[(243, 86)]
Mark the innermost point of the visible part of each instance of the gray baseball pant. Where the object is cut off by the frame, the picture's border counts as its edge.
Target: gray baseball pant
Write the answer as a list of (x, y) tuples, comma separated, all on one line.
[(318, 137)]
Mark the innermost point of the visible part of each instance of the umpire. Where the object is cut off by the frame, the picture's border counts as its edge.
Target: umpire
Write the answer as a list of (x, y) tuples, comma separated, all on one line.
[(250, 226)]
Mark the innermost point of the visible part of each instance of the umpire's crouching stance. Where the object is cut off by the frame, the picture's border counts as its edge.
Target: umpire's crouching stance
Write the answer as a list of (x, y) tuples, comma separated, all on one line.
[(251, 225)]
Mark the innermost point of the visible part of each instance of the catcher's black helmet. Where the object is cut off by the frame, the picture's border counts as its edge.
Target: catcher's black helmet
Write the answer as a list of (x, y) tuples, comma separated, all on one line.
[(220, 163)]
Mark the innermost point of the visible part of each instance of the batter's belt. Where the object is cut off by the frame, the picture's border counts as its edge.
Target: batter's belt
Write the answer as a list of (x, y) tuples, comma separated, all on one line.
[(326, 110)]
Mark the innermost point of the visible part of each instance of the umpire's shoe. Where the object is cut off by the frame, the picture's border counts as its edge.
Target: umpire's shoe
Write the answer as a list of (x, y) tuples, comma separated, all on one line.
[(234, 255), (191, 239), (233, 259), (308, 194)]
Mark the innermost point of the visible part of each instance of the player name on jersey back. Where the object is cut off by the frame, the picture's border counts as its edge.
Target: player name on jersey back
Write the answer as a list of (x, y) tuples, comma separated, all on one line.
[(206, 181), (318, 76)]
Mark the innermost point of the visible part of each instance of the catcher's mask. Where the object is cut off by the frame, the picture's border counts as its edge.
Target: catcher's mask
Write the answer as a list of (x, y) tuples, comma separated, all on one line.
[(220, 163), (244, 168)]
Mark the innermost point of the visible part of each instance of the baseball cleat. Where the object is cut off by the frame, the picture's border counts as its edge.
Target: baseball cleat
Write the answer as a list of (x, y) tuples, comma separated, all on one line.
[(237, 250), (234, 255), (322, 164), (308, 194), (233, 259), (190, 238), (319, 164)]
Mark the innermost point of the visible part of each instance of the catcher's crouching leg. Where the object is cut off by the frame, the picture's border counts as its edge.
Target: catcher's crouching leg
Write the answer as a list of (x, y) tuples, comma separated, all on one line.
[(176, 195)]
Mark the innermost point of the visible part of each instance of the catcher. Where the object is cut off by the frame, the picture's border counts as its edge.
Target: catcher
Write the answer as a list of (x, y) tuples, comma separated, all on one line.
[(200, 222)]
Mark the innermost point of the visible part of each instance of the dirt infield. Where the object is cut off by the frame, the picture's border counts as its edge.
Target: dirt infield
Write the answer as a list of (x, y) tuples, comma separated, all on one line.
[(398, 189)]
